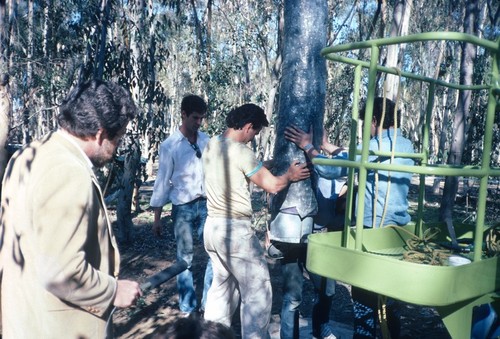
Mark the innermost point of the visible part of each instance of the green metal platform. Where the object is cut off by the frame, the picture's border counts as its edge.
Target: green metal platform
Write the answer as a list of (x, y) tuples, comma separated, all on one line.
[(372, 258)]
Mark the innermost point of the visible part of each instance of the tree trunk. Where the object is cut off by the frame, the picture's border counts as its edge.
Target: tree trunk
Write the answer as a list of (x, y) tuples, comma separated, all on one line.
[(208, 23), (302, 97), (4, 92), (266, 145), (12, 38), (101, 52), (29, 76), (48, 13), (147, 136), (440, 118), (3, 37), (133, 154), (362, 36), (4, 124), (400, 20), (199, 34), (124, 204), (135, 46), (460, 119)]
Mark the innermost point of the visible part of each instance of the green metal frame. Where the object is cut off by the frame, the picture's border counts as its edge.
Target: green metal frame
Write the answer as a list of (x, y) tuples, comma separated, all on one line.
[(370, 259)]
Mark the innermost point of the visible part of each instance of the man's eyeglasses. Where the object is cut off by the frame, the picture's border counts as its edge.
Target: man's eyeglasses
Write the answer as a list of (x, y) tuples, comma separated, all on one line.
[(197, 150)]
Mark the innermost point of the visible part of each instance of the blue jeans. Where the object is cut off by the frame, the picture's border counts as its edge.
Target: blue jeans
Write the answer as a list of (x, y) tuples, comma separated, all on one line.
[(188, 218), (324, 290), (293, 265)]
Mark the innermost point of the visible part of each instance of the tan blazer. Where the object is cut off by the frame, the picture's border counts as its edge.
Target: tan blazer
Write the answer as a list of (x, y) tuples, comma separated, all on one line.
[(58, 255)]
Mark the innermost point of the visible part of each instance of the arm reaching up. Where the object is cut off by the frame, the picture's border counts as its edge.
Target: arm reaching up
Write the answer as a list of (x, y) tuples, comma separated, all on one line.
[(302, 139)]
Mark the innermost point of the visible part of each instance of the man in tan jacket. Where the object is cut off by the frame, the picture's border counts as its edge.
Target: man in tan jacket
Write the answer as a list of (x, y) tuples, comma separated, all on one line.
[(58, 254)]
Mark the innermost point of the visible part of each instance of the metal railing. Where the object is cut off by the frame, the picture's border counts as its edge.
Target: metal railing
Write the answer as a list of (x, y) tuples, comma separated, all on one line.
[(483, 171)]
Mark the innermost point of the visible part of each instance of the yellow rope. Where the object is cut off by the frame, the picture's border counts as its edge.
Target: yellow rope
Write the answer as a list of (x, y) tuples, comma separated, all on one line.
[(492, 241), (393, 146), (423, 250)]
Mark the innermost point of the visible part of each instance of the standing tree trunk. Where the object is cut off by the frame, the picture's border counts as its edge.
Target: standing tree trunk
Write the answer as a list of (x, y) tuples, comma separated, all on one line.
[(460, 119), (4, 93), (131, 162), (301, 101), (4, 41), (4, 123), (199, 34), (47, 45), (101, 51), (29, 76), (275, 76), (440, 119), (11, 41), (132, 153), (399, 27), (208, 22), (148, 135)]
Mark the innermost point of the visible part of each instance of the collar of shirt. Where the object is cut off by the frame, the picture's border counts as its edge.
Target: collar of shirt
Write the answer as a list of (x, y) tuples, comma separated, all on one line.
[(66, 136), (201, 139), (389, 133)]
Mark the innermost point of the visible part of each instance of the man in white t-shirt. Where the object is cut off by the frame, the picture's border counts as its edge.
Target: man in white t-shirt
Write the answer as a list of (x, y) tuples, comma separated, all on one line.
[(239, 266)]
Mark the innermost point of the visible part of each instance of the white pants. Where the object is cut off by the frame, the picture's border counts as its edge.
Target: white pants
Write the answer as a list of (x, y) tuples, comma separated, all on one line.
[(240, 270)]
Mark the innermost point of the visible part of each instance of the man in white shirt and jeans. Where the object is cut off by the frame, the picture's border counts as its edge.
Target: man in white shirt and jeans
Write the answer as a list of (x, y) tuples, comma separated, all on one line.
[(180, 180)]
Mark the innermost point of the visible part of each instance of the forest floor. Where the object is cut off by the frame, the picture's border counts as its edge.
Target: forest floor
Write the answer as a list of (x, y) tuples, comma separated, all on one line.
[(147, 254)]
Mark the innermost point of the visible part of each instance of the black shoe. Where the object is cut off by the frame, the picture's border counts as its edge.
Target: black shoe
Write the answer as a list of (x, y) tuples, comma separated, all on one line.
[(274, 253)]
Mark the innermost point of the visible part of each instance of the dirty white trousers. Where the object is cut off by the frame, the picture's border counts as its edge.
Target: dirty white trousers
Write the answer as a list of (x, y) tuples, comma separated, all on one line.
[(239, 271)]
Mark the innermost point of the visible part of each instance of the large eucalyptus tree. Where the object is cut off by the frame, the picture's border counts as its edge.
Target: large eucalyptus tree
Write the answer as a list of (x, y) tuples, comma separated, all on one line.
[(301, 103)]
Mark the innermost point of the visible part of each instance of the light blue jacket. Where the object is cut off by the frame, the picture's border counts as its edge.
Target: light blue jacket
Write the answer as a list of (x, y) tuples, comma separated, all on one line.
[(395, 196)]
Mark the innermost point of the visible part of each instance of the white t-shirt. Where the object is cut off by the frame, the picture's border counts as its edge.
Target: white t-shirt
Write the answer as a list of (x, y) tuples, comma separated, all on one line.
[(228, 165)]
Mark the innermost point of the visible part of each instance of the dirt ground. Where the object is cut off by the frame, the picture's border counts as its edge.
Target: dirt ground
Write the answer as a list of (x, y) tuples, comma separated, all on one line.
[(147, 254)]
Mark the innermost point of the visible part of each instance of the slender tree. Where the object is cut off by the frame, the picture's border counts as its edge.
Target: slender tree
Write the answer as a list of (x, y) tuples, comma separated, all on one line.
[(101, 50), (468, 56), (399, 27), (4, 122), (3, 35), (275, 77)]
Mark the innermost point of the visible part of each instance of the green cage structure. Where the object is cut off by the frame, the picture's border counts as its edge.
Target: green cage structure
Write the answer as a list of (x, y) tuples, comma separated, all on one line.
[(372, 258)]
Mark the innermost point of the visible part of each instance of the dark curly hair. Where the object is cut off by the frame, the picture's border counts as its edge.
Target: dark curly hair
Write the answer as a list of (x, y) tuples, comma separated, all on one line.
[(94, 105), (248, 113), (193, 103), (378, 103)]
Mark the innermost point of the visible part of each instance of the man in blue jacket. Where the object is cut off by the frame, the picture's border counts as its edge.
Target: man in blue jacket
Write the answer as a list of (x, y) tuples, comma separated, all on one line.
[(386, 192)]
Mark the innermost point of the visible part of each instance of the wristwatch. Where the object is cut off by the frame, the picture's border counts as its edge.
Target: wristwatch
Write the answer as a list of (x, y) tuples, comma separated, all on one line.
[(308, 147)]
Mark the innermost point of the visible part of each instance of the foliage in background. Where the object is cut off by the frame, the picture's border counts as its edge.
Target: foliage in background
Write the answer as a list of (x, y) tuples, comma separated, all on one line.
[(229, 52)]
